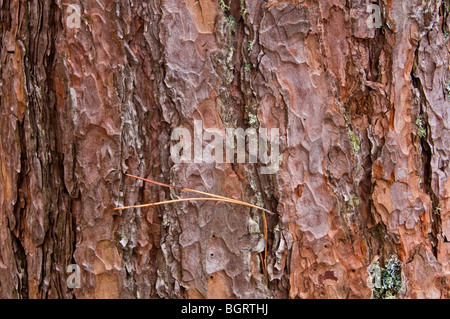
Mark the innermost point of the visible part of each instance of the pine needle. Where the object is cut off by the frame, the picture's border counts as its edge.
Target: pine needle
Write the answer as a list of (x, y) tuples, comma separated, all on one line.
[(186, 200), (216, 198)]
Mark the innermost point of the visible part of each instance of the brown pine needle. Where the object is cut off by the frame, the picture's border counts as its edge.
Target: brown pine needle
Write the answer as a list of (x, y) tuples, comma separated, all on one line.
[(222, 198), (216, 198), (186, 200), (265, 246), (177, 187)]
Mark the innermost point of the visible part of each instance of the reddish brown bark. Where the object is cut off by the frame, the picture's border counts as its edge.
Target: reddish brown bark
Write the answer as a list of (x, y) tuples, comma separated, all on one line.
[(363, 115)]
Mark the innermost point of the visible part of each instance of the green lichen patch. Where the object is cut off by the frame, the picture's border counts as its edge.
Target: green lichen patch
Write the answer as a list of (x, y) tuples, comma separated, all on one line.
[(354, 201), (243, 10), (387, 280), (249, 46), (355, 140), (252, 119), (232, 23), (223, 5), (421, 130), (437, 210), (447, 86)]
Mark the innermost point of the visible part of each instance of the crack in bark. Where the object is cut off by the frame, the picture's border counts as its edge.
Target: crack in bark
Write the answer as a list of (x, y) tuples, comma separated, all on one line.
[(424, 144)]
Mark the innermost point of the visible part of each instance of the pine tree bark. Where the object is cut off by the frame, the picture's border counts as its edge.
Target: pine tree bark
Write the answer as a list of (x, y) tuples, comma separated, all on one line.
[(363, 114)]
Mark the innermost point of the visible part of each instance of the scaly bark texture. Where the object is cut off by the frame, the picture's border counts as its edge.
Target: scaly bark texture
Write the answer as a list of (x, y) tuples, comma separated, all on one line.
[(362, 196)]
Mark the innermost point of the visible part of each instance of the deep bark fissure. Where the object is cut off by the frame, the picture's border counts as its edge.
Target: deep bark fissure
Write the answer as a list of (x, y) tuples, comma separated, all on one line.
[(18, 211), (424, 144), (21, 264)]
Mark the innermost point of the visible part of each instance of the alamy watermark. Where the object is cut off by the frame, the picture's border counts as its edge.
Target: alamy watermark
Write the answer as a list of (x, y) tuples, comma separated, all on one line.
[(224, 146), (74, 280), (374, 20), (73, 20)]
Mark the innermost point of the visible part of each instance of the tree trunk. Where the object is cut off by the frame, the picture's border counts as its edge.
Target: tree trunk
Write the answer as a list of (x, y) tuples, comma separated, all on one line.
[(362, 194)]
